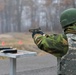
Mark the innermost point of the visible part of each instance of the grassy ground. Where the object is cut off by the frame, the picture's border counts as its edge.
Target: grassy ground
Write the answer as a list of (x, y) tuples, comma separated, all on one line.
[(21, 41)]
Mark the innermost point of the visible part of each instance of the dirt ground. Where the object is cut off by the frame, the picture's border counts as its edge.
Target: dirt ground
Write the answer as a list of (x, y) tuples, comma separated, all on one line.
[(21, 41)]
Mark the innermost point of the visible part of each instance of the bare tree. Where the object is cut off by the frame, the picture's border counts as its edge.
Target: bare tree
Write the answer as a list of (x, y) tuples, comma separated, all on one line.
[(18, 15), (74, 5)]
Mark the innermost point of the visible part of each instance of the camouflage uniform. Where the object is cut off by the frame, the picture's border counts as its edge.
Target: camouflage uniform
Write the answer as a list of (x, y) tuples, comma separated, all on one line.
[(55, 44)]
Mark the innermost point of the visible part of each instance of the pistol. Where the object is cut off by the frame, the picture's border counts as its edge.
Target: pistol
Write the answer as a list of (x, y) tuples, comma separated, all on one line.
[(35, 30)]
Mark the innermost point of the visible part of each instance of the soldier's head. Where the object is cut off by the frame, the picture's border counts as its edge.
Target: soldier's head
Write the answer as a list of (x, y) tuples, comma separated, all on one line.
[(68, 20)]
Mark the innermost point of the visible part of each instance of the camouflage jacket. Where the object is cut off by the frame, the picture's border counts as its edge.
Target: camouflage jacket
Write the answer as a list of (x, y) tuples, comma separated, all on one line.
[(55, 44)]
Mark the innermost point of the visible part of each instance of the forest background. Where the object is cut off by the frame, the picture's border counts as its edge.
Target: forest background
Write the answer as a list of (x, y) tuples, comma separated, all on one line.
[(18, 16)]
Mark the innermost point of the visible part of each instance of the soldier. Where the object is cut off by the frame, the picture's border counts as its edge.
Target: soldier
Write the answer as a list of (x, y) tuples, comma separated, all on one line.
[(57, 44), (68, 22)]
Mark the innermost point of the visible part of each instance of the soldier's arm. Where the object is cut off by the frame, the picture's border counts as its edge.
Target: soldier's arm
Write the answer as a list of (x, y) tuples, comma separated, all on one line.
[(37, 35), (53, 44)]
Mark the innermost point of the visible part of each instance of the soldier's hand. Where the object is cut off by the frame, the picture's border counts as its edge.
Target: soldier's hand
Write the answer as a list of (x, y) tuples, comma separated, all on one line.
[(36, 31)]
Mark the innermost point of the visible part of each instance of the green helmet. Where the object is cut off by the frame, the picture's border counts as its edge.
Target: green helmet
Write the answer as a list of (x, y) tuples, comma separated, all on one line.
[(68, 17)]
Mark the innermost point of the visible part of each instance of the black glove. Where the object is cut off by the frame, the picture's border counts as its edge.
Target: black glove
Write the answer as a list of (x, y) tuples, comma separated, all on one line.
[(37, 32)]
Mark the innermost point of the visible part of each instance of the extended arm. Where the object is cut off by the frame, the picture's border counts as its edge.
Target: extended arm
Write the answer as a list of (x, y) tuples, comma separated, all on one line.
[(55, 44)]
